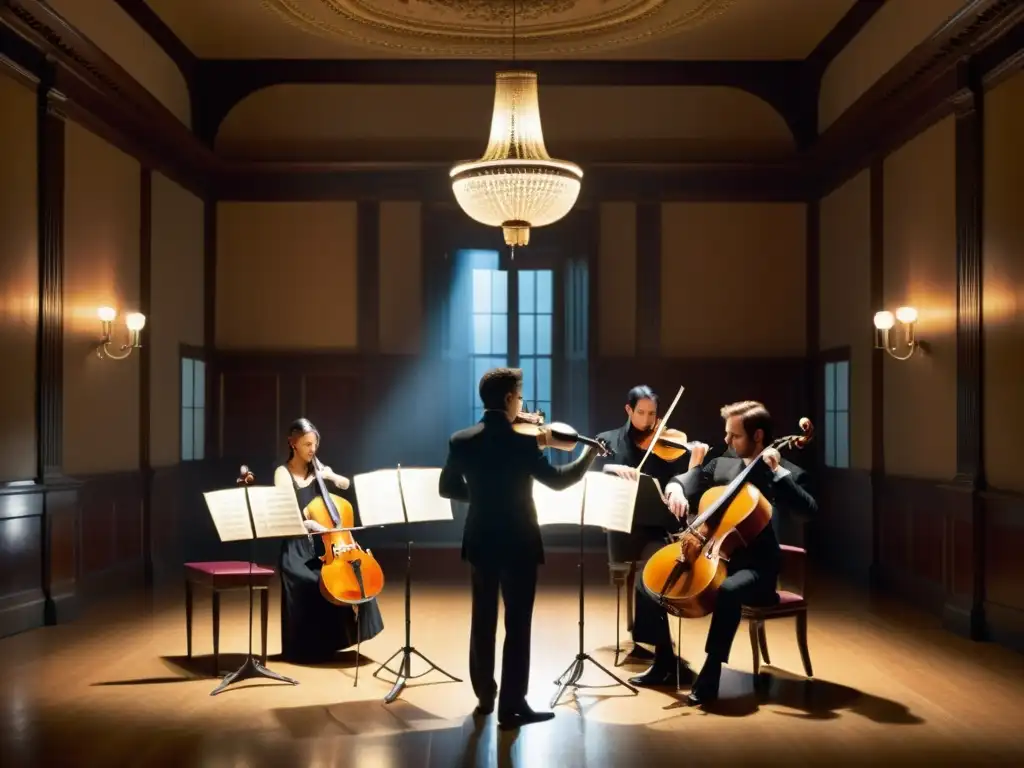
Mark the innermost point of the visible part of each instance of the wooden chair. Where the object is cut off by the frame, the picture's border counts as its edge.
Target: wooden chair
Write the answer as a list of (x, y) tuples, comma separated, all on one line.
[(790, 604), (623, 575), (219, 577)]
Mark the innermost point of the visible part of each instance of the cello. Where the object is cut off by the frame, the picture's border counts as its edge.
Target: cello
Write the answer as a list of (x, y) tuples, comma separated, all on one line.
[(683, 577), (350, 574)]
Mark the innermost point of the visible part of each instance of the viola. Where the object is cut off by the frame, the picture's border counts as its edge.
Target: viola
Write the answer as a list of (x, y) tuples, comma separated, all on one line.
[(350, 574), (555, 435), (684, 576), (672, 444)]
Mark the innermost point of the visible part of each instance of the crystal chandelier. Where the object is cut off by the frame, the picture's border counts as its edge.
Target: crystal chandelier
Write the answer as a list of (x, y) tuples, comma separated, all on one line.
[(516, 185)]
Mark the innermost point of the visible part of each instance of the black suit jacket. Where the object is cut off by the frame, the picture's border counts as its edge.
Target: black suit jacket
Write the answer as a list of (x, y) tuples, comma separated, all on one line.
[(787, 494), (493, 468)]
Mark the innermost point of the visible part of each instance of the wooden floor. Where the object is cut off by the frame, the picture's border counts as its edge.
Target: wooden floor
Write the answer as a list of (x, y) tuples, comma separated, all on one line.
[(113, 689)]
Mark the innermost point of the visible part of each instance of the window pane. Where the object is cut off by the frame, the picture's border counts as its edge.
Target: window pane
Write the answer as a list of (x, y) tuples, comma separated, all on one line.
[(198, 432), (830, 387), (187, 441), (543, 334), (499, 334), (843, 386), (830, 439), (199, 379), (482, 334), (526, 303), (526, 326), (843, 439), (186, 382), (481, 290), (480, 366), (545, 299), (544, 378), (529, 366), (499, 291)]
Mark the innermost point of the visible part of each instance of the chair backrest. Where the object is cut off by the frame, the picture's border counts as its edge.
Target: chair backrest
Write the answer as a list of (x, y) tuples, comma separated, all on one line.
[(794, 560)]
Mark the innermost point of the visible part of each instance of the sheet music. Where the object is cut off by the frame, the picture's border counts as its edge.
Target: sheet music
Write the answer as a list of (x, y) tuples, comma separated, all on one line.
[(423, 503), (230, 514), (609, 501), (559, 507), (661, 428), (276, 512), (379, 498)]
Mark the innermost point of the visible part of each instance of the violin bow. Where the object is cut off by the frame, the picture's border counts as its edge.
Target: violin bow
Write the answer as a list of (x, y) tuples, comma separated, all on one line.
[(660, 429)]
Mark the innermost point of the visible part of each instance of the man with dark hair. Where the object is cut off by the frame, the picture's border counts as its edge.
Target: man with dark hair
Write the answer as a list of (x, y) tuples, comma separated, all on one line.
[(493, 467), (754, 569), (651, 524)]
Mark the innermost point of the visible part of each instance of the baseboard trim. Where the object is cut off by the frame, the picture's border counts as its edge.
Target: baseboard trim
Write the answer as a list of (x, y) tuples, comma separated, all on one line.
[(1005, 625), (21, 612)]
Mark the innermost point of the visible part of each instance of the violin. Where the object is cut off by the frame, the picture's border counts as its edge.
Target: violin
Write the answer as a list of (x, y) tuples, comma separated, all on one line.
[(555, 435), (684, 576), (672, 444), (350, 574)]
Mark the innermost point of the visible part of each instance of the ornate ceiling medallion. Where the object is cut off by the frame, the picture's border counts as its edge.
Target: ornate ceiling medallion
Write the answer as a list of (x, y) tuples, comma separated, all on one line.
[(482, 28)]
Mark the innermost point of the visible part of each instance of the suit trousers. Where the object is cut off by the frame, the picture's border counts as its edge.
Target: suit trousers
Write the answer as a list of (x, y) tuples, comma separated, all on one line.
[(650, 622), (744, 586), (518, 585)]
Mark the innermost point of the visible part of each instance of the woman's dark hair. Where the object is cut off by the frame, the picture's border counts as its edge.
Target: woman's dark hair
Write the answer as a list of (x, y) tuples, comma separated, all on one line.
[(641, 392), (299, 428)]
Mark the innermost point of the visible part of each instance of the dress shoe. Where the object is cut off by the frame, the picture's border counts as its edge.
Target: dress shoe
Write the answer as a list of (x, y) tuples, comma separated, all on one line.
[(522, 716), (484, 708), (664, 673), (705, 687), (640, 653)]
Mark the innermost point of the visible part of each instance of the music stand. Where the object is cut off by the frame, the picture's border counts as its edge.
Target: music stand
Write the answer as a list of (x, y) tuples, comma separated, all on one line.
[(611, 499), (388, 497), (233, 516)]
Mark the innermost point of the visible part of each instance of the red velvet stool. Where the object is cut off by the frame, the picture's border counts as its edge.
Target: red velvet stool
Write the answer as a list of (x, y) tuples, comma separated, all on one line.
[(219, 577), (791, 604)]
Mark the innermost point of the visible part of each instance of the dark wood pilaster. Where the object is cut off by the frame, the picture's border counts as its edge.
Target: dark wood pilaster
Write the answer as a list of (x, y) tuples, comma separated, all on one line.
[(877, 219), (964, 613), (648, 279), (146, 366), (211, 449), (368, 276), (812, 320)]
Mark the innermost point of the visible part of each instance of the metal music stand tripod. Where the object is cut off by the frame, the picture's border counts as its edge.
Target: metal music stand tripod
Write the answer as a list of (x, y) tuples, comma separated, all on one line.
[(404, 672), (251, 668), (574, 671)]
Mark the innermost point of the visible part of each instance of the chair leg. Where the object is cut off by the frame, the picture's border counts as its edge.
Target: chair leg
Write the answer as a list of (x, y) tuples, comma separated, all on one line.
[(801, 641), (264, 618), (630, 595), (216, 633), (752, 625), (762, 640), (188, 618)]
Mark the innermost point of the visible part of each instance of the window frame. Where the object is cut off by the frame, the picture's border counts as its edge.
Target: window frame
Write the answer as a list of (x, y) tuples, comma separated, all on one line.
[(196, 354), (827, 359)]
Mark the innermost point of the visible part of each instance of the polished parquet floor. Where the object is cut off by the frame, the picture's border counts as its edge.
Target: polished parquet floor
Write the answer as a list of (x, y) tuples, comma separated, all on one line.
[(114, 689)]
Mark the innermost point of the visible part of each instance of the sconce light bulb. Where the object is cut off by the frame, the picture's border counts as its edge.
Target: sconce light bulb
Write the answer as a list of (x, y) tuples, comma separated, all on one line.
[(136, 321), (107, 314), (884, 320), (906, 315)]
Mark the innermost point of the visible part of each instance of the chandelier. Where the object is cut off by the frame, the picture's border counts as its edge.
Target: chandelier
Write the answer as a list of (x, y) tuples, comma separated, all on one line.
[(516, 185)]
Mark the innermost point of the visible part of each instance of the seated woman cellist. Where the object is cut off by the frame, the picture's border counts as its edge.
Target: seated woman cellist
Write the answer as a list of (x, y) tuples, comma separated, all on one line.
[(753, 570), (313, 629)]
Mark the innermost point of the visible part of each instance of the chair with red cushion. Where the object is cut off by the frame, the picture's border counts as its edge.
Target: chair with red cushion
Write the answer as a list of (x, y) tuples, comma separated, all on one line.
[(219, 577), (790, 604)]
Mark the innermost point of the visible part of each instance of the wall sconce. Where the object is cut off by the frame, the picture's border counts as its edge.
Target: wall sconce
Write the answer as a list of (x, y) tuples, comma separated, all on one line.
[(135, 322), (884, 321)]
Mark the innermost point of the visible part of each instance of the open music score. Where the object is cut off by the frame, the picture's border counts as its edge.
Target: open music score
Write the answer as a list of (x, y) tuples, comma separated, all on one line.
[(605, 500), (275, 513), (401, 495)]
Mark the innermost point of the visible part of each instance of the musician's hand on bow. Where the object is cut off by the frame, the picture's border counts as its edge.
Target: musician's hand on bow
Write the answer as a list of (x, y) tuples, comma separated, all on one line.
[(697, 453), (676, 501), (621, 470), (771, 458), (313, 526)]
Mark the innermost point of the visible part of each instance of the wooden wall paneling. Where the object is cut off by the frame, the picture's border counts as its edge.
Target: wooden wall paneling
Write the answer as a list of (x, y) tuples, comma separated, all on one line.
[(110, 540), (648, 280), (877, 223), (213, 387), (1004, 567), (368, 275), (336, 405), (22, 542), (249, 415), (965, 606)]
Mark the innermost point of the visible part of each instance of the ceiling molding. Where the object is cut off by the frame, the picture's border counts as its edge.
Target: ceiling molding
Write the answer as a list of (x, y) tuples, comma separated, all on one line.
[(150, 23)]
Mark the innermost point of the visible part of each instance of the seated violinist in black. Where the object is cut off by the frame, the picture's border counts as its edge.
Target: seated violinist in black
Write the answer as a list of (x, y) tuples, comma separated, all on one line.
[(313, 629), (754, 569)]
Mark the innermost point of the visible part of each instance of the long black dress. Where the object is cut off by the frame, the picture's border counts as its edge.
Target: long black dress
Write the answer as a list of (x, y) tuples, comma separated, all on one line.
[(313, 629)]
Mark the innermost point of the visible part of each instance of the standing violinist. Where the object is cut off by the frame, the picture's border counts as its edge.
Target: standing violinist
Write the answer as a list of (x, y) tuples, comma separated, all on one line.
[(313, 629), (492, 467), (753, 570), (651, 524)]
